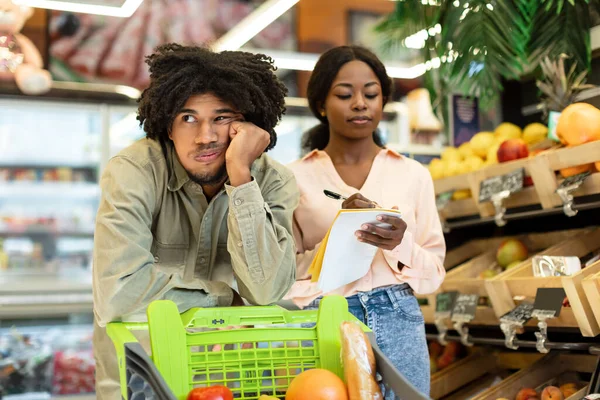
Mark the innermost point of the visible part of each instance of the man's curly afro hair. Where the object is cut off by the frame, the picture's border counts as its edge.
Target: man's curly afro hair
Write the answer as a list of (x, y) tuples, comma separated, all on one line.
[(246, 81)]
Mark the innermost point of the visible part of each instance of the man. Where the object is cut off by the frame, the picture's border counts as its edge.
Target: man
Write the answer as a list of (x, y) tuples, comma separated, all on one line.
[(196, 208)]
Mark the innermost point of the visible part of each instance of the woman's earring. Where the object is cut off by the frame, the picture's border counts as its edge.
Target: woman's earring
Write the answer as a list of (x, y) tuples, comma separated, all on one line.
[(323, 113)]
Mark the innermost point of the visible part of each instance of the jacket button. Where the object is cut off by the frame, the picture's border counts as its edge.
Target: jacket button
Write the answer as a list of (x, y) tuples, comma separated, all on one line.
[(238, 202), (203, 260)]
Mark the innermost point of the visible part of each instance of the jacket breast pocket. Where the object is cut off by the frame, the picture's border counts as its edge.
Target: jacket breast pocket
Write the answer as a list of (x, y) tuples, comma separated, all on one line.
[(169, 254)]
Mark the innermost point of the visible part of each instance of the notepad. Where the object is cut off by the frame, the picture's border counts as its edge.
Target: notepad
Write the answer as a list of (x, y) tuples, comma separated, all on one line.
[(341, 258)]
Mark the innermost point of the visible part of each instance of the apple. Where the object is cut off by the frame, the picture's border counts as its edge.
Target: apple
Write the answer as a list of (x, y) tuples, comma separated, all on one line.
[(513, 264), (512, 149), (552, 393), (511, 250), (526, 393), (488, 274)]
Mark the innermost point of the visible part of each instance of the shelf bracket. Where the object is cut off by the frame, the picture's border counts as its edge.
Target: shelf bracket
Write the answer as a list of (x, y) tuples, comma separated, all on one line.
[(498, 201), (542, 334), (565, 190), (463, 331), (510, 334), (440, 324), (567, 200)]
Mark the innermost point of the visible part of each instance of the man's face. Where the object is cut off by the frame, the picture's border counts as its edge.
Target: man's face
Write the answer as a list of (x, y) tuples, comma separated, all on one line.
[(200, 134)]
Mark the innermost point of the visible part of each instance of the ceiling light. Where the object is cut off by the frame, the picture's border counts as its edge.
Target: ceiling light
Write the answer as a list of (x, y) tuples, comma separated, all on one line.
[(126, 10), (306, 62), (250, 26)]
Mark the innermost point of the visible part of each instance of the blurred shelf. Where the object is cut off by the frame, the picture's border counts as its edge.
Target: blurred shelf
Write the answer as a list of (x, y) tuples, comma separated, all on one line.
[(41, 164), (40, 230), (47, 396), (44, 190), (31, 294)]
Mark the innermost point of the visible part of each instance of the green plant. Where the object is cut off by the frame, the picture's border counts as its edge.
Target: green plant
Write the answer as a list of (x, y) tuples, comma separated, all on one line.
[(483, 42), (559, 88)]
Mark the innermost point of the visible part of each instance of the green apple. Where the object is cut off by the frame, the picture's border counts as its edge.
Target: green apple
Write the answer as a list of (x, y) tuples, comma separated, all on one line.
[(510, 251)]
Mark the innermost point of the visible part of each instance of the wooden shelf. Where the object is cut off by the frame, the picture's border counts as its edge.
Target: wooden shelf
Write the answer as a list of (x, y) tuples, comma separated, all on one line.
[(543, 171)]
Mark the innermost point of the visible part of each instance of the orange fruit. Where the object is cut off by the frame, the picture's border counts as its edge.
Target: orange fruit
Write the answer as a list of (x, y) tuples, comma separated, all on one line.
[(578, 123), (567, 172), (317, 384)]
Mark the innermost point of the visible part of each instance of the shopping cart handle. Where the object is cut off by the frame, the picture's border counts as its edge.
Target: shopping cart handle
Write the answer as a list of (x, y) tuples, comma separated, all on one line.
[(119, 334), (394, 379)]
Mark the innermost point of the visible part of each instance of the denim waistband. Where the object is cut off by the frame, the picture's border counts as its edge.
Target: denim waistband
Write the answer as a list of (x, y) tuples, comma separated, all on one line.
[(381, 295)]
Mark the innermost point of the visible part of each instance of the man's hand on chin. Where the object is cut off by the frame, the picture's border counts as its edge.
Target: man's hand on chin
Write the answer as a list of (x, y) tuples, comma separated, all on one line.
[(248, 142)]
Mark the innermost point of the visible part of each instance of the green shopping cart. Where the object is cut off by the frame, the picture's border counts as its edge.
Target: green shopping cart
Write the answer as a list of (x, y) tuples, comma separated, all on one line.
[(268, 348)]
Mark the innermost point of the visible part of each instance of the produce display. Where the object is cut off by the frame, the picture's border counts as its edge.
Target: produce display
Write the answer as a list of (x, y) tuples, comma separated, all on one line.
[(441, 357), (509, 142), (547, 393), (510, 253)]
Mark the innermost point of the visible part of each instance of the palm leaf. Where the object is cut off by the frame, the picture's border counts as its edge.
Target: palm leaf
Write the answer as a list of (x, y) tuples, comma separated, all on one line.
[(567, 32), (408, 18), (558, 5), (487, 48)]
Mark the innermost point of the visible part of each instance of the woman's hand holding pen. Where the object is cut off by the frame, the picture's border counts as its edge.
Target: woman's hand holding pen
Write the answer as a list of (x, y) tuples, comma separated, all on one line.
[(386, 238)]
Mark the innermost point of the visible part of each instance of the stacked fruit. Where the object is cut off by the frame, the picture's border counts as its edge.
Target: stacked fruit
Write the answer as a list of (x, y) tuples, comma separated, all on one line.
[(508, 142), (441, 357), (579, 123), (510, 253), (548, 393)]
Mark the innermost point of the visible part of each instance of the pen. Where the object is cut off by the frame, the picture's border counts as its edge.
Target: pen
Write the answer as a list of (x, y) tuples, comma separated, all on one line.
[(334, 195)]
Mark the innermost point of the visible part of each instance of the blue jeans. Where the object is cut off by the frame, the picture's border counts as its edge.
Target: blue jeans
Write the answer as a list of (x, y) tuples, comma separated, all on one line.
[(395, 317)]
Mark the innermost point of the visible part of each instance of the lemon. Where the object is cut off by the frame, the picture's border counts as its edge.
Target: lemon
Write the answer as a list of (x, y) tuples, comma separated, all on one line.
[(492, 154), (481, 142), (451, 154), (473, 163), (461, 194), (507, 130), (466, 150), (452, 168), (436, 168), (535, 133)]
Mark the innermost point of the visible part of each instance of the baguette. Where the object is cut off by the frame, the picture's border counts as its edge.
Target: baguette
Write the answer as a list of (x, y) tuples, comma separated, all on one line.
[(359, 364)]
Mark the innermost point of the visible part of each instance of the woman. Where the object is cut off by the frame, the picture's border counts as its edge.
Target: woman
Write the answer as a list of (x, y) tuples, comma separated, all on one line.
[(347, 92)]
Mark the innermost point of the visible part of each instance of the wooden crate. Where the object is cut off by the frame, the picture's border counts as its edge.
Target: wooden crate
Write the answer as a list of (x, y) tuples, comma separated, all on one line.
[(542, 168), (465, 278), (520, 281), (591, 287), (454, 258), (461, 373), (553, 369)]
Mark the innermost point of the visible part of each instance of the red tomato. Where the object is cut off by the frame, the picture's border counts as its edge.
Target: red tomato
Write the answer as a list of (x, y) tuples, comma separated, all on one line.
[(211, 393)]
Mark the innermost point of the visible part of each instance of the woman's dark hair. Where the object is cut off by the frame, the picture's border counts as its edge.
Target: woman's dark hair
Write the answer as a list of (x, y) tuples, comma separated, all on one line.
[(246, 81), (320, 82)]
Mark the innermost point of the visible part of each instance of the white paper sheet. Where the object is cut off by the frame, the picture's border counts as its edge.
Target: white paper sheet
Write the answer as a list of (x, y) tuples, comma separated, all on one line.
[(346, 259)]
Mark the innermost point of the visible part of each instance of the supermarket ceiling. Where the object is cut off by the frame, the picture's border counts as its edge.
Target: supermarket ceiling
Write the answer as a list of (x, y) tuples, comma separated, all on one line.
[(113, 8)]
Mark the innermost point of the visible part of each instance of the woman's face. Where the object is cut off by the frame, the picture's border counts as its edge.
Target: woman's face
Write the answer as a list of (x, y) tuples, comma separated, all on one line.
[(354, 104)]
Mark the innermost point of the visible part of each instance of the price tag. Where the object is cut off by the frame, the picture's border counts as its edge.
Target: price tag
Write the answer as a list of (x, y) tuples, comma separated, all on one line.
[(443, 199), (444, 303), (548, 302), (520, 315), (511, 183), (465, 307), (573, 181)]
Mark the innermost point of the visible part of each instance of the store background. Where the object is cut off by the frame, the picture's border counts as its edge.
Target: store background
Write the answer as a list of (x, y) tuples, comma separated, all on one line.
[(53, 148)]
